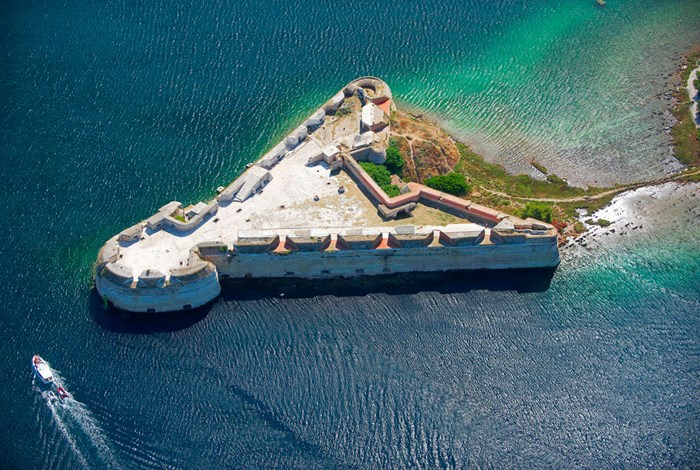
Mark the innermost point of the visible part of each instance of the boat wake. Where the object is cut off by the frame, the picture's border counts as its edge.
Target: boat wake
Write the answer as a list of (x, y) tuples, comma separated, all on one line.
[(78, 426)]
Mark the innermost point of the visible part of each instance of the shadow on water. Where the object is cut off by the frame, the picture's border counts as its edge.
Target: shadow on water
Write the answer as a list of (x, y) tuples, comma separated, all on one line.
[(516, 280), (119, 321), (519, 280)]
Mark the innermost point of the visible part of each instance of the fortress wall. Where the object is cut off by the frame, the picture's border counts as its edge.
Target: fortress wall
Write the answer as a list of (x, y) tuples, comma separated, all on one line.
[(151, 278), (210, 249), (109, 251), (316, 119), (358, 242), (232, 189), (271, 158), (256, 244), (334, 103), (370, 153), (195, 271), (118, 274), (509, 238), (534, 254), (164, 219), (413, 240), (307, 244), (194, 222), (433, 198), (473, 237), (372, 190), (131, 234), (193, 287), (296, 137), (377, 84)]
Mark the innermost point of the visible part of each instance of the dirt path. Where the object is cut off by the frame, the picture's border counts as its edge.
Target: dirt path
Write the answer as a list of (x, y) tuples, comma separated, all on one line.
[(620, 189)]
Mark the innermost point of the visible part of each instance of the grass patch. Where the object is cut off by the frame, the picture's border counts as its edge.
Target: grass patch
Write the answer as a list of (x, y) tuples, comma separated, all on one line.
[(179, 217), (686, 146)]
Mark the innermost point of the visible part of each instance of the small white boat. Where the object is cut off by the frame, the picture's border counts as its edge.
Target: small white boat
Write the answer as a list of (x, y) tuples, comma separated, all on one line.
[(52, 397), (42, 369)]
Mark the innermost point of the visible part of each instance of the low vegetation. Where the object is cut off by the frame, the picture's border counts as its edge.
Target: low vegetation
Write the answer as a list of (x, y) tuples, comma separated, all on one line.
[(380, 174), (343, 111), (556, 180), (451, 183), (599, 222), (686, 143), (541, 168), (537, 211)]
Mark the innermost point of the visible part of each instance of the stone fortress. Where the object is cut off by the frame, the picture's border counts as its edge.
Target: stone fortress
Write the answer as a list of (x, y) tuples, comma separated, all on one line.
[(307, 209)]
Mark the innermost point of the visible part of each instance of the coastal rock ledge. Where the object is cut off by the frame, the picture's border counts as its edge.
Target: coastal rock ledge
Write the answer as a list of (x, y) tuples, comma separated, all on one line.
[(320, 216)]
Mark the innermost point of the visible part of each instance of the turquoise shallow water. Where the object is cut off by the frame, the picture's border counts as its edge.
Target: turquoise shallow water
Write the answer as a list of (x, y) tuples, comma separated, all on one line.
[(110, 110)]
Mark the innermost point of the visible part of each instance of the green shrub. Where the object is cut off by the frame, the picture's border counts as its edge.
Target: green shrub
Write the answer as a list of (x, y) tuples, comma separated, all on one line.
[(378, 173), (537, 211), (382, 177), (541, 168), (555, 179), (452, 183), (345, 110), (603, 222), (394, 161), (392, 190)]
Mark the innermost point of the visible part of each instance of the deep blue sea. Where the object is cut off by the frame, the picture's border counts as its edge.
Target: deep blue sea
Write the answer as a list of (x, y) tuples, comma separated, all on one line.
[(110, 109)]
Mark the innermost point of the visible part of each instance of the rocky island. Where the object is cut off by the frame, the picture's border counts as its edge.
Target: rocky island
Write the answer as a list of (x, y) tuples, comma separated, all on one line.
[(312, 207)]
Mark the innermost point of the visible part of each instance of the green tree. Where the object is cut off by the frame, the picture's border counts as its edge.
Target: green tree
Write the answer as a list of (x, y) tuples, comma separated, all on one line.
[(394, 161), (452, 183)]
